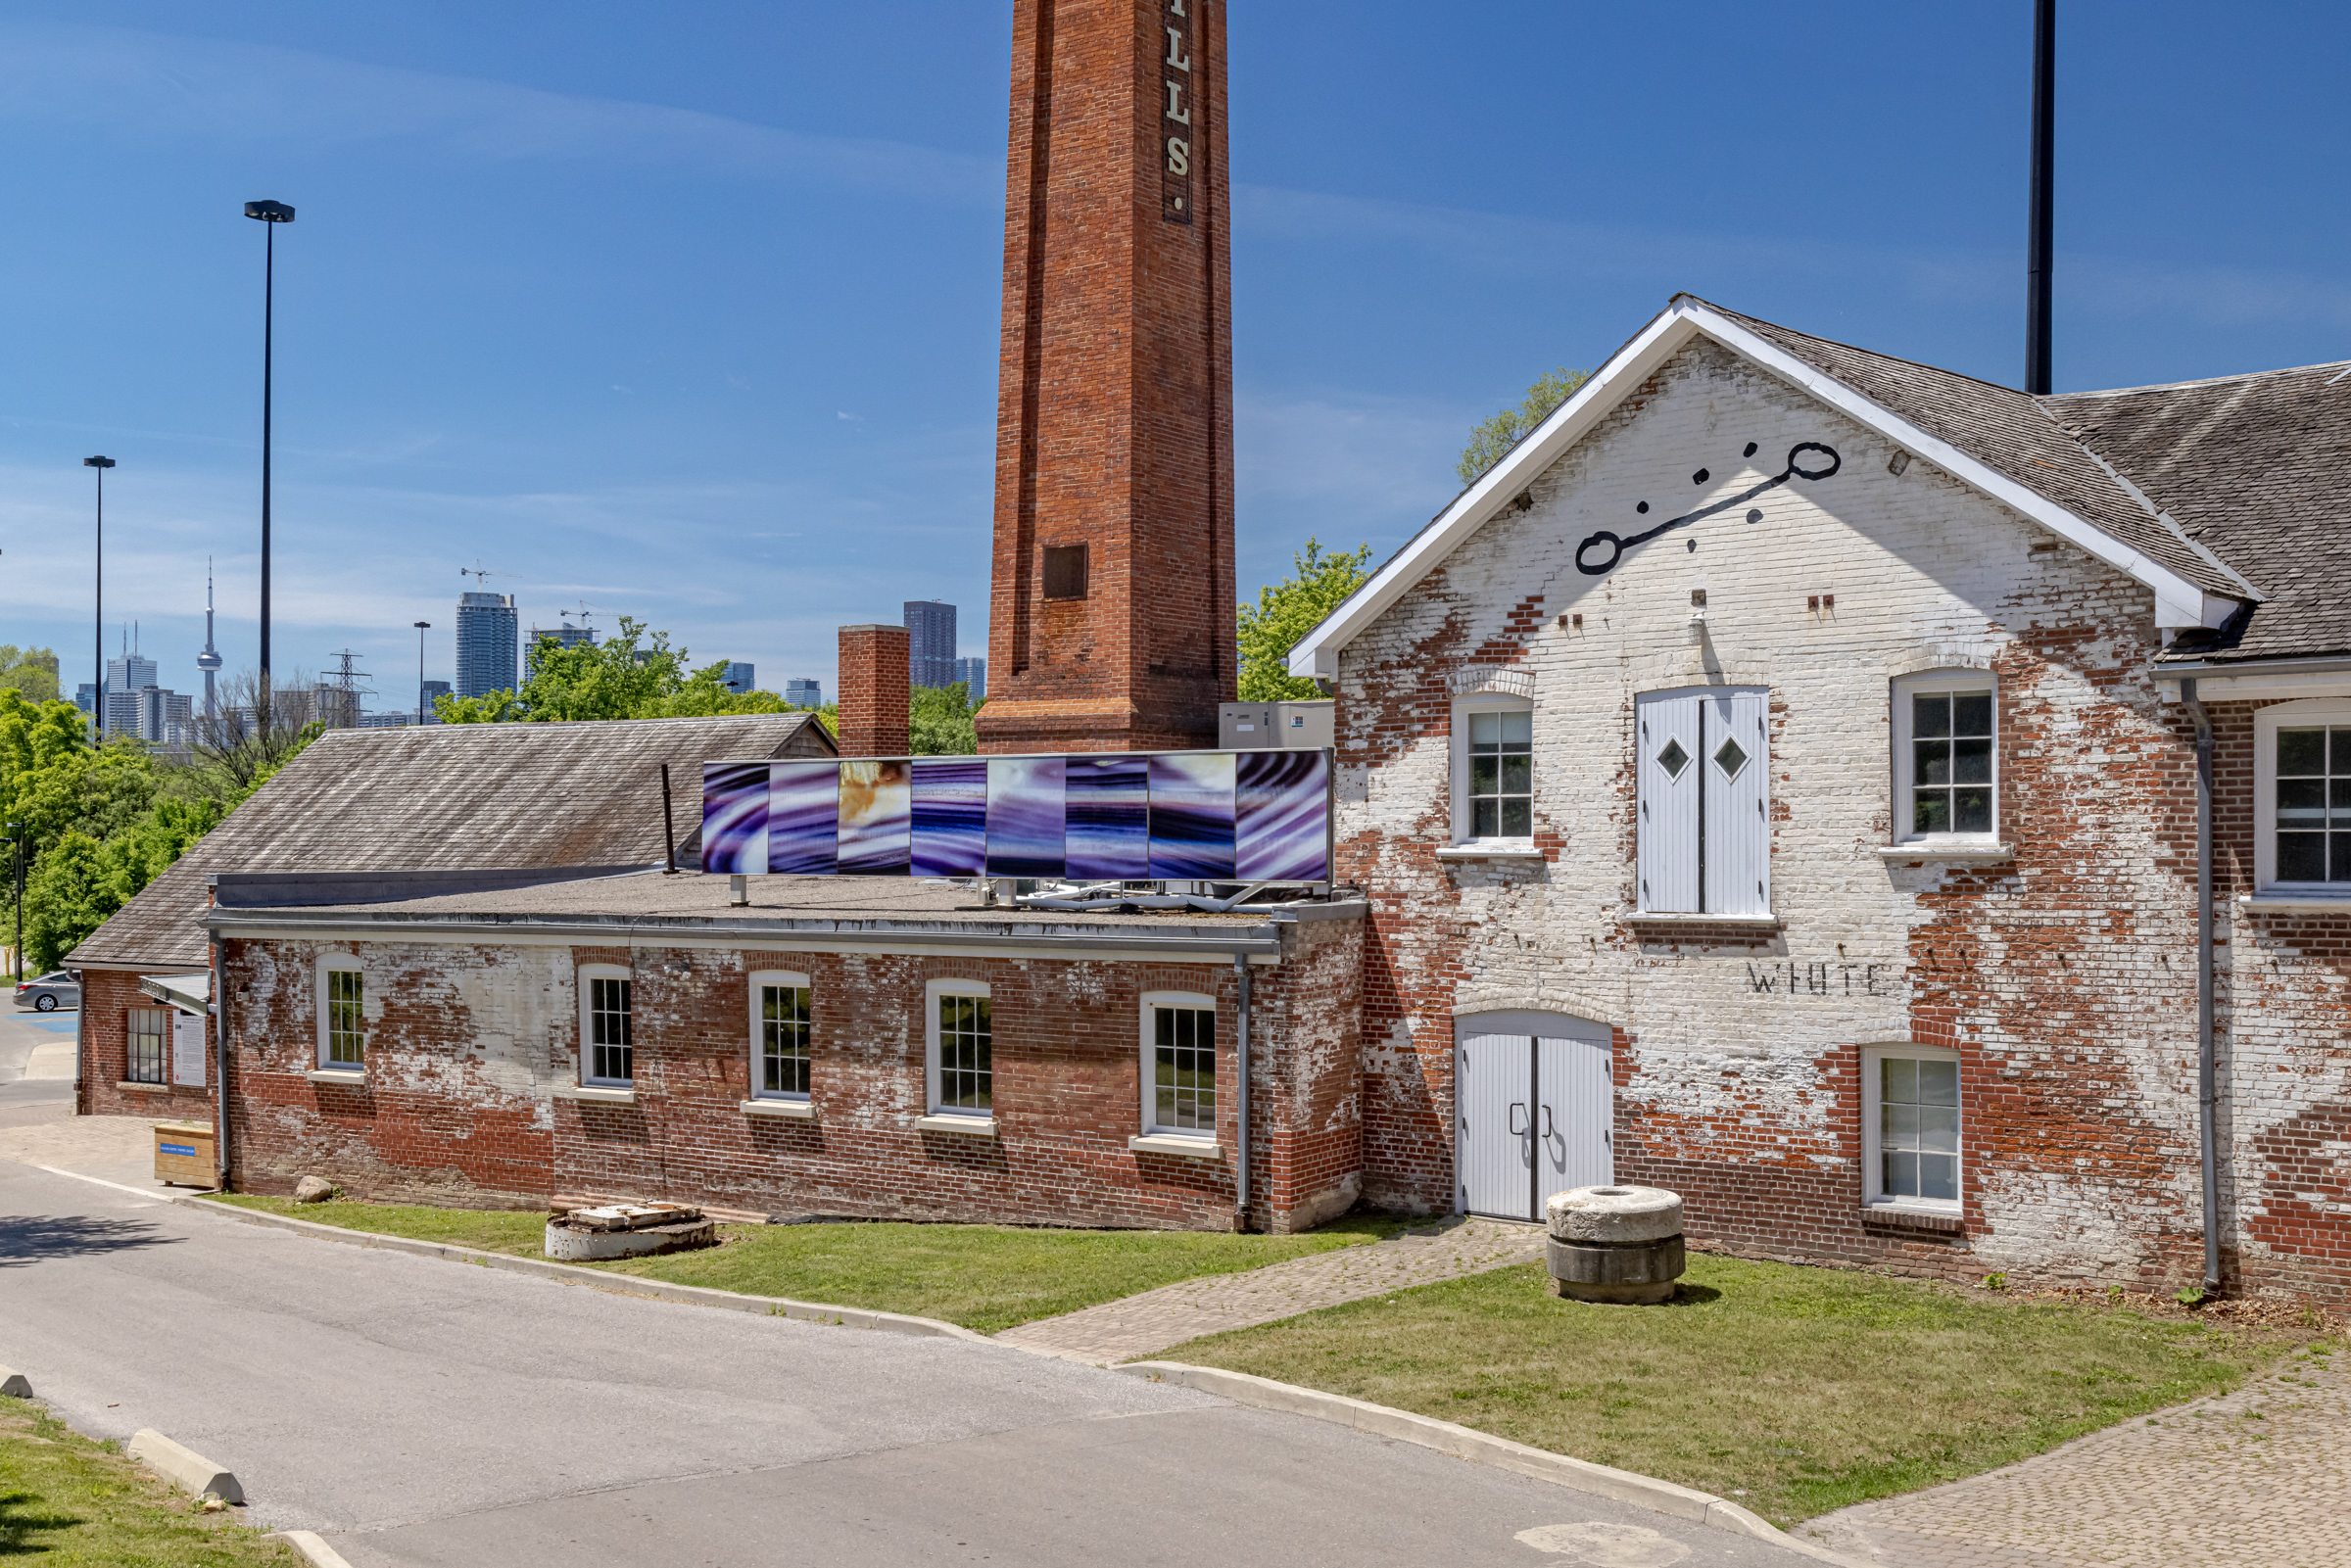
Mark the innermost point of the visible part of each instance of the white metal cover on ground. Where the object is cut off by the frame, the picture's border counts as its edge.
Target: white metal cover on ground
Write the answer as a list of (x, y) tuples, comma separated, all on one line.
[(1579, 1115)]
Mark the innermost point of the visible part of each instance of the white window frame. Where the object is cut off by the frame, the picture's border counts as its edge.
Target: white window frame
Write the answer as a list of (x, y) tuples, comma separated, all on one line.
[(760, 980), (346, 963), (1151, 1003), (1873, 1185), (1462, 707), (932, 990), (162, 1059), (1928, 682), (604, 972), (2267, 722)]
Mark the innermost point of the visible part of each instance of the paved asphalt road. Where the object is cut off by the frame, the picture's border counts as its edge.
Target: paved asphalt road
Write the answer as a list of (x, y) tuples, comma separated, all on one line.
[(417, 1411)]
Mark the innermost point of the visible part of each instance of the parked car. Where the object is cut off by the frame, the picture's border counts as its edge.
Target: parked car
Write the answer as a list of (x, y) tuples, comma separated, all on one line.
[(53, 990)]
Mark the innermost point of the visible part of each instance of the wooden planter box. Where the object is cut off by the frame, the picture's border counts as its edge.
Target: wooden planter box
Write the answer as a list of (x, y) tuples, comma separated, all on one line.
[(183, 1154)]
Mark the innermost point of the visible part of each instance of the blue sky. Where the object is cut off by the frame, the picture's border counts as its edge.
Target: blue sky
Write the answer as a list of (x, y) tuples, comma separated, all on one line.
[(690, 312)]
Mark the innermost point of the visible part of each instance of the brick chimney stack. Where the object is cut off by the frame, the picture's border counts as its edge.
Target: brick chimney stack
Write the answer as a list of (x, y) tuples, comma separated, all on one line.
[(1111, 606), (873, 691)]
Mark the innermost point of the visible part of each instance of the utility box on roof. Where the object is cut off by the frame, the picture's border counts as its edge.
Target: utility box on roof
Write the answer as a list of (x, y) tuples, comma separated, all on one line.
[(1305, 726)]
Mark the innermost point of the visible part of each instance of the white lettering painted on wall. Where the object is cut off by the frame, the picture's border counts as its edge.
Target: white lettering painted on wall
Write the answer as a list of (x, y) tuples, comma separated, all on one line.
[(1176, 169), (1180, 156), (1176, 110), (1175, 55)]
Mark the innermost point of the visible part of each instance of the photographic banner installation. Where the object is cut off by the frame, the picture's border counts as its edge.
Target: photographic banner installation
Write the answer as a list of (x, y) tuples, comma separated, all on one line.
[(1160, 816)]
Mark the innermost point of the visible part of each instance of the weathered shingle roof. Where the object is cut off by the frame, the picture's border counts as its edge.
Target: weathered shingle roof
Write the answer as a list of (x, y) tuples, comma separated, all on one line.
[(2256, 468), (2010, 432), (484, 795)]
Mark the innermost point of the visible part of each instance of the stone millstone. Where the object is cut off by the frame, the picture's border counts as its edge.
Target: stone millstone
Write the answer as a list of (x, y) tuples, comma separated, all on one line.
[(1613, 1216), (569, 1243)]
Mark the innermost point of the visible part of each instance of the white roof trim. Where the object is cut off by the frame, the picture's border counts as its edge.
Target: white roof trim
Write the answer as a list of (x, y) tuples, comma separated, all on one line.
[(2177, 601)]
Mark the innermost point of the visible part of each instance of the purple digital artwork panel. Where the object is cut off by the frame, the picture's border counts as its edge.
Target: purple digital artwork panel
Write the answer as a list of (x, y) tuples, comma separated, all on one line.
[(1109, 817), (1191, 816), (803, 817), (1025, 808), (734, 817), (1281, 817), (951, 816), (877, 818)]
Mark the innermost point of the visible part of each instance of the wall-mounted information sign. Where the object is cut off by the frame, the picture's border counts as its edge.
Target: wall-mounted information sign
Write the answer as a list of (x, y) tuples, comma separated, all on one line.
[(1157, 816)]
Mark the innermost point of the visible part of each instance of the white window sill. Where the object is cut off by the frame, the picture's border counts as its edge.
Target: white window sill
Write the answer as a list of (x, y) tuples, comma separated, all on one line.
[(144, 1088), (1171, 1142), (1949, 852), (348, 1077), (1759, 922), (2328, 903), (595, 1095), (1502, 849), (969, 1126), (1920, 1215), (794, 1110)]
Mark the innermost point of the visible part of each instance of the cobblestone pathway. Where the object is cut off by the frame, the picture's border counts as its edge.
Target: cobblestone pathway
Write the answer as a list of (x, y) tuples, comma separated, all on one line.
[(1135, 1326), (2255, 1477)]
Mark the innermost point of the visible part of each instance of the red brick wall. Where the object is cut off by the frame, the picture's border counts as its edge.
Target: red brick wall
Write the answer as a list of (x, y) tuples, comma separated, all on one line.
[(1115, 411), (107, 998), (462, 1066), (873, 691)]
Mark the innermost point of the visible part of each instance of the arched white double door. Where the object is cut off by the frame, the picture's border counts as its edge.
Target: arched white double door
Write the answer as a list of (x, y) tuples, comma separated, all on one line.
[(1535, 1109)]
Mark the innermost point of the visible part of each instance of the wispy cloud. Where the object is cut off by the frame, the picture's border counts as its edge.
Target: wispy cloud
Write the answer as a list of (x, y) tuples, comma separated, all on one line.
[(155, 83)]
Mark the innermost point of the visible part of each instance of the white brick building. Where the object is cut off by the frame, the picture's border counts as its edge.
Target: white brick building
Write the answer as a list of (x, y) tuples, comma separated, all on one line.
[(1773, 781)]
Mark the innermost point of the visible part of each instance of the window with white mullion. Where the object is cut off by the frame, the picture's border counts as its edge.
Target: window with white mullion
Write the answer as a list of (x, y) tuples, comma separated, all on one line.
[(783, 1041), (1946, 756), (966, 1054), (610, 1032), (1502, 774), (1912, 1115), (2314, 804), (1183, 1070), (346, 1034)]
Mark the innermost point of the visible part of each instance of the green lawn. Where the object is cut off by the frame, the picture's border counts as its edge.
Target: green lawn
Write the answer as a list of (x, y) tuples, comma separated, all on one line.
[(1793, 1390), (75, 1504), (984, 1277)]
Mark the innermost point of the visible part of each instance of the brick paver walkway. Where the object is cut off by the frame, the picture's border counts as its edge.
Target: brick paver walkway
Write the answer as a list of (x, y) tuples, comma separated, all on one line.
[(2256, 1477), (1135, 1326)]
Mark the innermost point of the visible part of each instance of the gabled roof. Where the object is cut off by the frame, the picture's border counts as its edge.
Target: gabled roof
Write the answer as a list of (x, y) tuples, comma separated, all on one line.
[(2257, 468), (473, 796), (2000, 441)]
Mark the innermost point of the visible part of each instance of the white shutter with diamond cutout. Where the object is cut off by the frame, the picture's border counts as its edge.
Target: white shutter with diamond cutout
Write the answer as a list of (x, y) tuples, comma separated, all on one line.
[(1737, 803), (1666, 736)]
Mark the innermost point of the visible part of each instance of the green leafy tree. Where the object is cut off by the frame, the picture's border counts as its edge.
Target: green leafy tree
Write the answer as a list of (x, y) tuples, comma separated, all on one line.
[(30, 671), (627, 676), (1495, 437), (1285, 612), (939, 721), (66, 896)]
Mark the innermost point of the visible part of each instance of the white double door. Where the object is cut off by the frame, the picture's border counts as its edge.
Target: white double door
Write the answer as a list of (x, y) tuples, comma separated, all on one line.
[(1536, 1116)]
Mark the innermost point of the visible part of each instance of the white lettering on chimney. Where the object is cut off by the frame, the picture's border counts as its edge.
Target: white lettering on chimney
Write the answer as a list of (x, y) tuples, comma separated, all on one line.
[(1175, 55), (1176, 110), (1180, 156)]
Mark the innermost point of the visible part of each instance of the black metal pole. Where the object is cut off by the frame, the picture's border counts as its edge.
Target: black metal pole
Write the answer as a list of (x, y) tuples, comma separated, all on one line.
[(2044, 174), (19, 826), (669, 830), (98, 630), (269, 331)]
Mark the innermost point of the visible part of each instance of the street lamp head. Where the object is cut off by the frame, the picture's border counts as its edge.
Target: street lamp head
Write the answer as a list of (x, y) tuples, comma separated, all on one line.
[(424, 626), (269, 211), (97, 462)]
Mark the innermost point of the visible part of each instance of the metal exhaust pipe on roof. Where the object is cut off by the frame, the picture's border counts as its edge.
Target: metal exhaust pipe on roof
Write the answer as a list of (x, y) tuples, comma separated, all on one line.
[(2042, 198)]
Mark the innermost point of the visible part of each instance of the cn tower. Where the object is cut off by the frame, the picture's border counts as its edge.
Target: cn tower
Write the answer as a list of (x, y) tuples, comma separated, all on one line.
[(208, 661)]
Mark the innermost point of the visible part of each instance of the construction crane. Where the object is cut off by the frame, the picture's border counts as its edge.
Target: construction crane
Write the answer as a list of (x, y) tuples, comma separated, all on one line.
[(475, 571)]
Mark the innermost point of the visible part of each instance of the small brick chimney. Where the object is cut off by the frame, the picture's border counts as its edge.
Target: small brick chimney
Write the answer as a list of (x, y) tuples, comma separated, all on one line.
[(873, 691)]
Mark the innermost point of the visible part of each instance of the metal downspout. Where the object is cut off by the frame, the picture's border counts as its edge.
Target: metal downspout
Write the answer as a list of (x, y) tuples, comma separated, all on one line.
[(2207, 1076), (211, 898), (1241, 1203)]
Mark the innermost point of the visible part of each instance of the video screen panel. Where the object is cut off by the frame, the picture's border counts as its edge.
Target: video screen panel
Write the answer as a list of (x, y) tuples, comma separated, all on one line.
[(1024, 816), (1108, 810), (1191, 816), (1281, 817), (803, 817), (1166, 815), (734, 817), (951, 816)]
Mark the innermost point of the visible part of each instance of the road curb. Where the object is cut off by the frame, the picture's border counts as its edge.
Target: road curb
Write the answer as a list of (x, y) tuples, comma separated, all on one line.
[(182, 1466), (617, 1284), (1480, 1448), (315, 1552)]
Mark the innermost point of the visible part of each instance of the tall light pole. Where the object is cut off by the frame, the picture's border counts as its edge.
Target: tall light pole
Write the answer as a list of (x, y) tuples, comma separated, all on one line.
[(270, 214), (98, 595), (422, 627), (2044, 196), (16, 834)]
